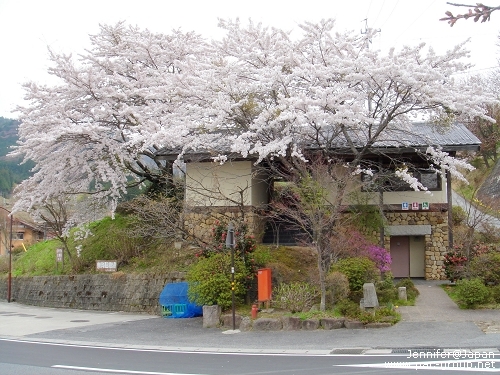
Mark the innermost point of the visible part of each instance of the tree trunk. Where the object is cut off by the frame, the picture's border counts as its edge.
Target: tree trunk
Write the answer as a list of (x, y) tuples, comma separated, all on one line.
[(322, 283)]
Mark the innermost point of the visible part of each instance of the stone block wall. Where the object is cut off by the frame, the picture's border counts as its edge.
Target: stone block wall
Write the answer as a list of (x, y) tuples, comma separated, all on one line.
[(200, 222), (436, 244), (106, 292)]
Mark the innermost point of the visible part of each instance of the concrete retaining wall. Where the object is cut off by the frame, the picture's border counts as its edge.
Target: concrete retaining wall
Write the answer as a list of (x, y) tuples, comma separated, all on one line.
[(106, 292)]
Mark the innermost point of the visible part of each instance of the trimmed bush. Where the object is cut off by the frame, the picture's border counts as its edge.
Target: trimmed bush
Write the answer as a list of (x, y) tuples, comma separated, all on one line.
[(359, 270), (295, 297), (486, 267), (210, 281), (472, 292)]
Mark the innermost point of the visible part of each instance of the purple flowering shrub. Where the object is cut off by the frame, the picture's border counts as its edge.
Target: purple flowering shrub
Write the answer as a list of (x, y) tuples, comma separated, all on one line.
[(380, 256)]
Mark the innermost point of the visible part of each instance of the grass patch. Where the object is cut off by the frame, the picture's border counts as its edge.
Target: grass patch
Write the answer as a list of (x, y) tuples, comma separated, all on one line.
[(40, 259)]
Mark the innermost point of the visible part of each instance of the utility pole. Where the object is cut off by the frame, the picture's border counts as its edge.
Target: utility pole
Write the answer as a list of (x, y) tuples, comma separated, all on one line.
[(230, 243), (9, 277)]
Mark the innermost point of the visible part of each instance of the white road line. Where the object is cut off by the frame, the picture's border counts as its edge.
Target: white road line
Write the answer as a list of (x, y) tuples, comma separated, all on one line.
[(242, 352), (116, 371), (459, 365)]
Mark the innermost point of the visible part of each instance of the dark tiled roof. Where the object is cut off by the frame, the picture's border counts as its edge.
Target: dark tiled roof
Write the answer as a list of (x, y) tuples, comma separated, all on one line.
[(398, 138), (422, 134)]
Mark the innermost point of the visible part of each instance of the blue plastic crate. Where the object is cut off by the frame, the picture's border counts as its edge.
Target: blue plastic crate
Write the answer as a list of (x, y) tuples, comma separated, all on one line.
[(173, 310)]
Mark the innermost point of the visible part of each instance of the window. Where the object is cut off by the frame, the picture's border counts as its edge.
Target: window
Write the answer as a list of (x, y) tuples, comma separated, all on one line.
[(430, 178), (18, 236)]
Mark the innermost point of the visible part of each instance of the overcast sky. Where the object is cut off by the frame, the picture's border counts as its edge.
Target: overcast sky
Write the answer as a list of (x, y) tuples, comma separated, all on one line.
[(27, 27)]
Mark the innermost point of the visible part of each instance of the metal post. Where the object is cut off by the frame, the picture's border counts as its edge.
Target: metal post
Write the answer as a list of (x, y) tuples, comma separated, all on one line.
[(9, 280), (230, 243)]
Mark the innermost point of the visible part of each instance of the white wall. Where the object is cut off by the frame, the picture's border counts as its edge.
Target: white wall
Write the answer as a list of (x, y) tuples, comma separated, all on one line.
[(213, 184)]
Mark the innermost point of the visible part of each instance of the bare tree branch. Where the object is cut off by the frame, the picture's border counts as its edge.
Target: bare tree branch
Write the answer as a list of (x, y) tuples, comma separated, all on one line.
[(477, 12)]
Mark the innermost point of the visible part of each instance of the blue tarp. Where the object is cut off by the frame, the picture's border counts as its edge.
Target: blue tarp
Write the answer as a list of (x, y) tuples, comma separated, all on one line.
[(175, 302)]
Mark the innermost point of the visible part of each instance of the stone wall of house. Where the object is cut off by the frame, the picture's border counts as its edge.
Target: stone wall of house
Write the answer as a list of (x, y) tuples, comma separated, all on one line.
[(199, 223), (436, 244), (106, 292)]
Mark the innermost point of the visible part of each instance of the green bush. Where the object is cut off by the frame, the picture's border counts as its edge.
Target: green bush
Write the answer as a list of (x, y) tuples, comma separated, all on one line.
[(337, 286), (351, 310), (411, 291), (495, 293), (386, 291), (487, 267), (210, 281), (348, 309), (359, 270), (472, 292), (295, 297)]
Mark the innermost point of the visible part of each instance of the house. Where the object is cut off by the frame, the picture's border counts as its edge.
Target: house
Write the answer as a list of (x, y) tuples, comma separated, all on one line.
[(417, 230), (22, 231)]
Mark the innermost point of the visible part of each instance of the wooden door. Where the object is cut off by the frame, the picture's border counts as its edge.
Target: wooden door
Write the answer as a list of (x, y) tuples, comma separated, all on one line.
[(400, 254)]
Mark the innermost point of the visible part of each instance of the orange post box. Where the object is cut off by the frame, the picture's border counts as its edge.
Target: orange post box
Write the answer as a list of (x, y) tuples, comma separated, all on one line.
[(264, 284)]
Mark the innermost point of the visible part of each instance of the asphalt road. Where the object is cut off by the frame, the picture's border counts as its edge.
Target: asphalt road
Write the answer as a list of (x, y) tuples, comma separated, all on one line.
[(18, 355)]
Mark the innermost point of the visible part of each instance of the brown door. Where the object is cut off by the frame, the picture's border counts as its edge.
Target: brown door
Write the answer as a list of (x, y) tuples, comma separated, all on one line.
[(400, 254)]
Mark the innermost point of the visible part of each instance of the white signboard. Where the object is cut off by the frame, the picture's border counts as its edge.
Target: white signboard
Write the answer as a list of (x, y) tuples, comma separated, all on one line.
[(106, 265), (59, 255)]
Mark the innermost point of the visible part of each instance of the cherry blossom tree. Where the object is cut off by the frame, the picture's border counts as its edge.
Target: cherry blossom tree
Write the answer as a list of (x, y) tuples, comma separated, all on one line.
[(275, 98), (258, 93), (94, 132)]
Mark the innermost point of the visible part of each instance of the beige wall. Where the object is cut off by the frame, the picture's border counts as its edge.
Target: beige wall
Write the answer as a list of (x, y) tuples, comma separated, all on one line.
[(213, 184), (397, 197)]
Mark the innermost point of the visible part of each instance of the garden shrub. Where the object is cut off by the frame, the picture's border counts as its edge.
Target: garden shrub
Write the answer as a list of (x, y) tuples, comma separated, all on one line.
[(411, 291), (351, 310), (472, 292), (386, 291), (210, 281), (380, 256), (295, 297), (244, 248), (454, 265), (348, 309), (359, 270), (487, 267), (495, 293), (337, 286)]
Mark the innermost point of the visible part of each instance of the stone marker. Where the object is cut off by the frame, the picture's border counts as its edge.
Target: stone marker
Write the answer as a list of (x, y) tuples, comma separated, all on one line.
[(370, 299), (402, 293), (211, 316)]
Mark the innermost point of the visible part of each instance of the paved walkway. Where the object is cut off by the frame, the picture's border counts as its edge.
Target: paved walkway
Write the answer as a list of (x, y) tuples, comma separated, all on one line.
[(434, 305)]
